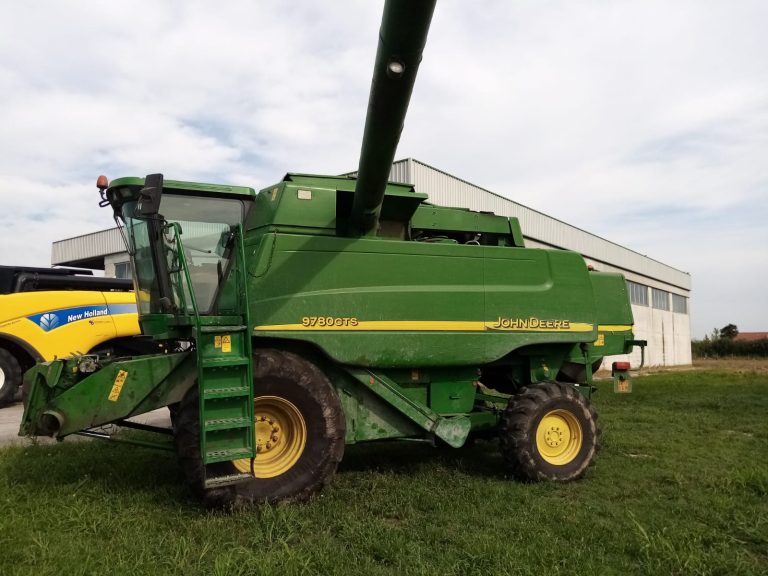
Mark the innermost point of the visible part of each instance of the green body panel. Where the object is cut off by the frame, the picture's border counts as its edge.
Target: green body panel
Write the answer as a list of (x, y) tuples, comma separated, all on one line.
[(316, 204), (491, 229), (367, 415), (452, 430), (613, 315), (80, 401), (390, 304)]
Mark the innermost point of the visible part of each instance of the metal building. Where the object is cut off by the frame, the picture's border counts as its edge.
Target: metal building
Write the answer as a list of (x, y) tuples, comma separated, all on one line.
[(659, 293)]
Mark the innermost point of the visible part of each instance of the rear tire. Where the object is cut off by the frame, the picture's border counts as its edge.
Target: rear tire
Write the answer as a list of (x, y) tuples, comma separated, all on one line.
[(10, 377), (549, 431), (295, 382)]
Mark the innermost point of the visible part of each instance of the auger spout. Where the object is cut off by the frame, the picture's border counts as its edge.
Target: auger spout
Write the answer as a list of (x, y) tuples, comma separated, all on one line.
[(402, 37)]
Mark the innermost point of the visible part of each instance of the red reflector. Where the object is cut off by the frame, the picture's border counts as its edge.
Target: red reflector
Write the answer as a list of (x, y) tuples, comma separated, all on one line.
[(621, 365)]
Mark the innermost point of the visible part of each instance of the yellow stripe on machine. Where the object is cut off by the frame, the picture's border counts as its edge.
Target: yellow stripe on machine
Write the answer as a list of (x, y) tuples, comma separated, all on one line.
[(419, 326), (614, 328), (382, 326)]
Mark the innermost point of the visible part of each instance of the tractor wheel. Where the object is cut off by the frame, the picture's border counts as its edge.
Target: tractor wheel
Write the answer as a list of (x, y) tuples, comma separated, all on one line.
[(299, 433), (10, 376), (549, 431)]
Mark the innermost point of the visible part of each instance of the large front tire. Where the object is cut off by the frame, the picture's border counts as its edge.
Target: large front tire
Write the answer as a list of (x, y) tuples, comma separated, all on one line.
[(295, 400), (10, 376), (549, 431)]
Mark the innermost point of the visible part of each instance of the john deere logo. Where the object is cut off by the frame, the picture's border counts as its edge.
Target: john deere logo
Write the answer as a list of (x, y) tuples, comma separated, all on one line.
[(49, 321)]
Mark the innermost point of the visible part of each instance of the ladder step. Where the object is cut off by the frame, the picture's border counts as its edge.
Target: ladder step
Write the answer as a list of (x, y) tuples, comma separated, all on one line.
[(227, 455), (215, 329), (227, 480), (217, 362), (227, 423), (231, 392)]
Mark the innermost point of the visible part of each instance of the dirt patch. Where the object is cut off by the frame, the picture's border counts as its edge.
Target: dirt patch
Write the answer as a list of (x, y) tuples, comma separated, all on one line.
[(10, 418), (734, 364)]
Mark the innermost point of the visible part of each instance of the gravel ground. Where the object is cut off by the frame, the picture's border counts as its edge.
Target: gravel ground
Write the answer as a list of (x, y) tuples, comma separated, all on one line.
[(10, 418)]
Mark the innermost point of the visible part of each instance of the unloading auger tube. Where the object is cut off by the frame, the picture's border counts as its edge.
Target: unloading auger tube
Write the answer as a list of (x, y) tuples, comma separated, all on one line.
[(402, 37)]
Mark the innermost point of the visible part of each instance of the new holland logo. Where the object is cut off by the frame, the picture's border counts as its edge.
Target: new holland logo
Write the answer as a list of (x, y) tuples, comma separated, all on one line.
[(49, 321), (54, 319)]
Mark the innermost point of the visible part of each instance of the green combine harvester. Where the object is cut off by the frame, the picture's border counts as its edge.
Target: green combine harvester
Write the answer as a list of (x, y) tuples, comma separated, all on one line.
[(324, 311)]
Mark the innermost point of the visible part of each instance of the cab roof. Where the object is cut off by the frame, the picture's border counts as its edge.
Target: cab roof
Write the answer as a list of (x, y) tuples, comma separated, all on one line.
[(199, 187)]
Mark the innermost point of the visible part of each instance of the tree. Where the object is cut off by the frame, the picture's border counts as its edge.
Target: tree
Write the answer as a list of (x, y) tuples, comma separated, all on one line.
[(729, 332)]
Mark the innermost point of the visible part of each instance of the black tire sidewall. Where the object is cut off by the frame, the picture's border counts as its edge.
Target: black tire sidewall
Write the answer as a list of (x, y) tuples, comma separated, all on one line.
[(521, 420), (319, 449), (12, 372), (578, 410)]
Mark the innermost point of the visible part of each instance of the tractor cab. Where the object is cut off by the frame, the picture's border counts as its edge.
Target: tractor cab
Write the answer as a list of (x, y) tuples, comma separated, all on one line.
[(184, 240)]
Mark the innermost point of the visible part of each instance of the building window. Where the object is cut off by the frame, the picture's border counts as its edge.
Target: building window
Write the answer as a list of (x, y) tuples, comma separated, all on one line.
[(122, 270), (679, 304), (660, 299), (638, 293)]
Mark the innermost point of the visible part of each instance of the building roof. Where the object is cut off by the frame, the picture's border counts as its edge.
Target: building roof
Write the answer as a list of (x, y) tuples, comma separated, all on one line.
[(750, 336), (88, 250)]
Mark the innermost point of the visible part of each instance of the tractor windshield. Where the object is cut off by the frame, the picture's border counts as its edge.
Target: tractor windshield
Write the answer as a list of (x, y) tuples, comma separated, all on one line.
[(206, 231)]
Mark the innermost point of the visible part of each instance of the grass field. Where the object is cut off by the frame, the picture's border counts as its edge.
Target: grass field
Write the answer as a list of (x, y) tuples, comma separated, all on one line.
[(681, 487)]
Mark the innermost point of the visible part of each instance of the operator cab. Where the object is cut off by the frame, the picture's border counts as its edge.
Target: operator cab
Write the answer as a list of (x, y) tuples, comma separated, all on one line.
[(179, 235)]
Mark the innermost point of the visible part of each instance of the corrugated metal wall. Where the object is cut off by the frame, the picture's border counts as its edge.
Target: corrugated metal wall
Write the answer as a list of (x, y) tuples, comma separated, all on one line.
[(85, 247)]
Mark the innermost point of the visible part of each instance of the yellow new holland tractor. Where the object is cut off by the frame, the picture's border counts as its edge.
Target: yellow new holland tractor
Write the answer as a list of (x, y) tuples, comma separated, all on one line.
[(50, 313)]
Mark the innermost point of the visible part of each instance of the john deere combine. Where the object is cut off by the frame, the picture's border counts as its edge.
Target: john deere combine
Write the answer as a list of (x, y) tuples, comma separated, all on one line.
[(324, 311)]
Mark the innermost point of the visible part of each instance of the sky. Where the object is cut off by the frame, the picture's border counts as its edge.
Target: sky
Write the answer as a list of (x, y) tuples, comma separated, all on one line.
[(644, 122)]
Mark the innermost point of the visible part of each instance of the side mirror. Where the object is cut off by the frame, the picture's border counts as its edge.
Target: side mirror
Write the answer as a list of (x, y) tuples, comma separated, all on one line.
[(225, 242), (149, 196)]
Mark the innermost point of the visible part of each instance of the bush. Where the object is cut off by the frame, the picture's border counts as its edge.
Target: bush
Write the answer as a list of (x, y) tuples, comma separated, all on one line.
[(718, 347)]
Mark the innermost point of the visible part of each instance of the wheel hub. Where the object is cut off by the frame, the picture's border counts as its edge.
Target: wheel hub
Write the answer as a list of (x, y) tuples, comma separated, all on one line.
[(2, 378), (280, 435), (554, 437), (559, 437), (268, 434)]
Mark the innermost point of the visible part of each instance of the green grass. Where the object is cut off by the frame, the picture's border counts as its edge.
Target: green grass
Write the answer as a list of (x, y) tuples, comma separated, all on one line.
[(681, 487)]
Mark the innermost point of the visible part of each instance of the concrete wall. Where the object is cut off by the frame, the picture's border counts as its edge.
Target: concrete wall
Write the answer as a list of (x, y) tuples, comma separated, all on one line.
[(109, 263), (668, 335)]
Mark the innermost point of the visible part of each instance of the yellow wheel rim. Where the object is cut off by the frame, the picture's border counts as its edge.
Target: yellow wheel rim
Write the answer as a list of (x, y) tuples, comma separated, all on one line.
[(559, 437), (280, 434)]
